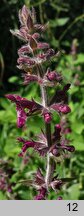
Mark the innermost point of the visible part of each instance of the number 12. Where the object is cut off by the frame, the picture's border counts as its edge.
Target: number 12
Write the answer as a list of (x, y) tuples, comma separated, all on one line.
[(73, 205)]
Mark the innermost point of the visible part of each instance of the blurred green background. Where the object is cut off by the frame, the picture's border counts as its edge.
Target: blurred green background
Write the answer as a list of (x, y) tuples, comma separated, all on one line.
[(65, 33)]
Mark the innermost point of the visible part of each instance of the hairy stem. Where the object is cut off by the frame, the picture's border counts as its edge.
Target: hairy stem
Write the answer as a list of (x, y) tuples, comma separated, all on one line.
[(50, 166)]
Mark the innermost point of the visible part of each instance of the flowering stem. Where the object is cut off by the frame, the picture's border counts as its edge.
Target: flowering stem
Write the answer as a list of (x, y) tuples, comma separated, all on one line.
[(30, 60)]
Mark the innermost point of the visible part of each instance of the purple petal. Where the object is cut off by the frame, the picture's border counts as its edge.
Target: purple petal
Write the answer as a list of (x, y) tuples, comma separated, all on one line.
[(69, 148), (24, 49), (36, 35), (42, 45), (59, 198), (13, 97), (41, 195), (53, 75), (20, 139), (21, 117), (31, 78), (63, 108), (26, 60), (47, 117)]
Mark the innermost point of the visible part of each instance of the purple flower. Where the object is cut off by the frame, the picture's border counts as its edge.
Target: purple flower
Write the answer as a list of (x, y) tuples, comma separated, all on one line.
[(26, 144), (69, 148), (38, 146), (47, 117), (67, 130), (21, 116), (9, 189), (59, 198), (63, 108), (31, 78), (53, 75), (46, 56), (24, 60), (21, 104), (24, 49), (54, 150), (41, 195), (36, 35), (42, 45)]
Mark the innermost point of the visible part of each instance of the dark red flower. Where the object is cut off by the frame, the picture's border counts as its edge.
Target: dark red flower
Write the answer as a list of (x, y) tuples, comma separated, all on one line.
[(63, 108), (24, 49), (59, 198), (54, 150), (47, 117), (41, 195), (24, 60), (21, 104), (53, 75), (38, 146), (69, 148), (41, 45), (21, 116), (31, 78)]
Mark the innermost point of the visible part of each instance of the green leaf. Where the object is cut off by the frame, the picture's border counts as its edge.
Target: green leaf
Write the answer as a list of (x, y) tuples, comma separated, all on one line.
[(77, 141), (58, 22), (2, 196), (8, 116), (77, 127), (73, 192), (13, 79), (11, 148), (4, 103)]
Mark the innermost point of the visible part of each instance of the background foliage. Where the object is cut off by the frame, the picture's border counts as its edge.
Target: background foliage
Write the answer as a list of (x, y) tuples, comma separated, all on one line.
[(66, 26)]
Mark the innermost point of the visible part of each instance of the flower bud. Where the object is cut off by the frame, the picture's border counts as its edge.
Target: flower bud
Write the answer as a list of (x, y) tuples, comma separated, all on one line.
[(47, 117), (51, 76), (63, 108), (59, 198), (69, 148)]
